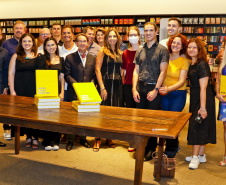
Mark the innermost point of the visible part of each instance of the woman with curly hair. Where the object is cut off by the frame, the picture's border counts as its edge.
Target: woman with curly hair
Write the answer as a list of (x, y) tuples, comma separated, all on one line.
[(174, 87)]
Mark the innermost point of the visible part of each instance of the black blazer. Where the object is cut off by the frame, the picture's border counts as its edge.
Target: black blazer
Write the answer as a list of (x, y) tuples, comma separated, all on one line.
[(75, 72)]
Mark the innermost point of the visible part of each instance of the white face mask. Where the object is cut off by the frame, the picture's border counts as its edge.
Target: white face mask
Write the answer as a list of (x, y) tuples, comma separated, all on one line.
[(134, 39)]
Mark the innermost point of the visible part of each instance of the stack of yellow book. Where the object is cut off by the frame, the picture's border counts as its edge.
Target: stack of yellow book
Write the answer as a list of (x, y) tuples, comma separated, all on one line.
[(49, 102), (47, 89), (88, 97)]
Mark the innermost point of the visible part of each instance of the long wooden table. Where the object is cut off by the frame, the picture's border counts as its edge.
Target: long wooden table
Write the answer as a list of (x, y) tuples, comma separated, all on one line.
[(132, 125)]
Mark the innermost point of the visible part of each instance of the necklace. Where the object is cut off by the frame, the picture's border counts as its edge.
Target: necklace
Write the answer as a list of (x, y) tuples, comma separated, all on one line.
[(29, 56)]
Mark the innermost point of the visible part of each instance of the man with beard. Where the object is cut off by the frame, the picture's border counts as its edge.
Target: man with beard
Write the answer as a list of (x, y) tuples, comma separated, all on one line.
[(10, 45)]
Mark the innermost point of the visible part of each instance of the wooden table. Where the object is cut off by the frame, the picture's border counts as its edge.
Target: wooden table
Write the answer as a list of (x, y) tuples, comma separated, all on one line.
[(132, 125)]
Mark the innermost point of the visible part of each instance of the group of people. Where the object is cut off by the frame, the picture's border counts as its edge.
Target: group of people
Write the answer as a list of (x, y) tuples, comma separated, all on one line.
[(151, 76)]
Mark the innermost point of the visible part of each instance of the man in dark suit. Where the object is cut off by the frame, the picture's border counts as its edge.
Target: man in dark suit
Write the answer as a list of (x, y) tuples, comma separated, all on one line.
[(79, 67)]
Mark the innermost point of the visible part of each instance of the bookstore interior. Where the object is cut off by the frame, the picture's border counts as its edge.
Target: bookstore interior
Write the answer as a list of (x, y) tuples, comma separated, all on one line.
[(210, 27)]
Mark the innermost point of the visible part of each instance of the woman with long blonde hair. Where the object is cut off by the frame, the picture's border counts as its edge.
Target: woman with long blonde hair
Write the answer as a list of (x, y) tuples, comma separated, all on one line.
[(108, 63)]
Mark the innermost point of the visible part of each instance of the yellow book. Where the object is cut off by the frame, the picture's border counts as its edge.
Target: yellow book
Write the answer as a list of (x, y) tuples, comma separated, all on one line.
[(223, 85), (47, 98), (85, 110), (85, 106), (46, 82), (87, 93), (47, 106)]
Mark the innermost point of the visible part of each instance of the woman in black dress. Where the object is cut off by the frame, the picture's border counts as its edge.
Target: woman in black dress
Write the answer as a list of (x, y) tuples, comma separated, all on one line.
[(22, 77), (108, 63), (51, 61), (202, 103)]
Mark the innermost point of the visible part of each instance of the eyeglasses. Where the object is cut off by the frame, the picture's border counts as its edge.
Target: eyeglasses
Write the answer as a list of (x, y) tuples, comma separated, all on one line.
[(45, 34), (82, 41)]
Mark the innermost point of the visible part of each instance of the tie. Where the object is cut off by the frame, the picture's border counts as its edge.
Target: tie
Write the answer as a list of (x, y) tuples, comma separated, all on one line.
[(83, 56)]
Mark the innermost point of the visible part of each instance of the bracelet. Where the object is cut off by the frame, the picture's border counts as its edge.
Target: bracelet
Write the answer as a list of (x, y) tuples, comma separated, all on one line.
[(102, 89), (101, 83), (202, 109)]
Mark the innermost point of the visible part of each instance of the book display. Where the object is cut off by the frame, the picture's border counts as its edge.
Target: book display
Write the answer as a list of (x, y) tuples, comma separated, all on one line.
[(88, 97), (211, 27), (46, 89)]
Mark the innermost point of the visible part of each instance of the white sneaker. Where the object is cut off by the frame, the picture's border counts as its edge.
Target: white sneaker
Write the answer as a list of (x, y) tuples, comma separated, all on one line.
[(55, 147), (202, 159), (194, 164), (7, 135), (48, 148)]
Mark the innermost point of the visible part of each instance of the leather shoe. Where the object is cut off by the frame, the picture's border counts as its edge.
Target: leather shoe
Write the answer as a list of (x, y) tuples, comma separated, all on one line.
[(2, 144), (69, 146), (148, 156), (85, 143)]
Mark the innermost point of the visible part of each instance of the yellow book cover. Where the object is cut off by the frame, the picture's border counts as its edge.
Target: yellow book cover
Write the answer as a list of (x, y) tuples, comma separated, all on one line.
[(47, 98), (87, 93), (46, 82), (85, 106), (223, 85)]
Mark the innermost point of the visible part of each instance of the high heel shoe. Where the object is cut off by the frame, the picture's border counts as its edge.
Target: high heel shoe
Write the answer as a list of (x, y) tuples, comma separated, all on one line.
[(28, 143), (35, 144), (222, 163), (96, 146)]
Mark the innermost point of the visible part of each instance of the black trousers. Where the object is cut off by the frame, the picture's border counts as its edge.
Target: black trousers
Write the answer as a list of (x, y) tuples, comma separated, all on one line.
[(143, 89), (128, 96)]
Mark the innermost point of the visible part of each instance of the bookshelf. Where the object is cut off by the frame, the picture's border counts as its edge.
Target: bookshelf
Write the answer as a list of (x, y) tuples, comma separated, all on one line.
[(211, 27)]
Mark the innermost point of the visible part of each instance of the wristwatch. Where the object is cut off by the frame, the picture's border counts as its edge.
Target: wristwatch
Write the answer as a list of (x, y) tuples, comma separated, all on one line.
[(157, 89)]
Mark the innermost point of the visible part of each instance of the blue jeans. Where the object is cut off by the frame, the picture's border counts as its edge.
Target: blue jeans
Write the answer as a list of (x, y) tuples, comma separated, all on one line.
[(173, 101)]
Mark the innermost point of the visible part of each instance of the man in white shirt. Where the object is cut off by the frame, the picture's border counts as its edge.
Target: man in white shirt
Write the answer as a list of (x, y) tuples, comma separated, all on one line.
[(174, 27), (44, 33), (69, 46)]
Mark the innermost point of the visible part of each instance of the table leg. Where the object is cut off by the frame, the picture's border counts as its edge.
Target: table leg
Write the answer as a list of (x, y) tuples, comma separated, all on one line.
[(17, 139), (141, 143), (159, 166)]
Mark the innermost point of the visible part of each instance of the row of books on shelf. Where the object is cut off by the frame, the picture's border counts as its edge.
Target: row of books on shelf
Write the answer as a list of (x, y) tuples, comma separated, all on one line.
[(38, 23), (192, 30), (202, 20), (213, 48)]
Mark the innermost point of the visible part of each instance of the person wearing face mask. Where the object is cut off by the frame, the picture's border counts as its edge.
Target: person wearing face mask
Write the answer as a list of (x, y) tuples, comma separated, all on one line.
[(174, 87), (10, 45), (128, 67)]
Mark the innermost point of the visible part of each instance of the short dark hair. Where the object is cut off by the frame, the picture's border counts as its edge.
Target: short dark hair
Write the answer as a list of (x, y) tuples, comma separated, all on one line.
[(79, 35), (151, 23), (176, 19), (84, 30), (56, 23), (67, 26)]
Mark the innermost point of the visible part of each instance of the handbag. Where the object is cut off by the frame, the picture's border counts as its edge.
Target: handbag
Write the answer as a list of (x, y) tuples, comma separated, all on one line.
[(167, 168)]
